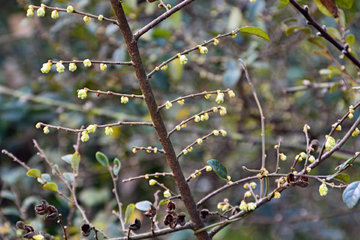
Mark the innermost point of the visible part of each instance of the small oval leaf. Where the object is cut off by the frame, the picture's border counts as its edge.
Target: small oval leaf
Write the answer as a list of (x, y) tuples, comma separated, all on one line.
[(218, 168), (351, 194), (102, 159), (67, 158), (129, 211), (255, 31), (163, 202), (143, 205), (117, 166), (69, 176), (51, 187), (347, 4), (34, 173), (45, 177), (343, 177), (75, 161)]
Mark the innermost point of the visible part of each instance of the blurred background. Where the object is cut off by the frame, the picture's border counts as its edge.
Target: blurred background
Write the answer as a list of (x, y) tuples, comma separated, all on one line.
[(296, 82)]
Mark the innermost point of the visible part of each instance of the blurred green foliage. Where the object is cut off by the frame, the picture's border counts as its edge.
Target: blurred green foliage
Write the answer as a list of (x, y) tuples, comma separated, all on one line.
[(278, 69)]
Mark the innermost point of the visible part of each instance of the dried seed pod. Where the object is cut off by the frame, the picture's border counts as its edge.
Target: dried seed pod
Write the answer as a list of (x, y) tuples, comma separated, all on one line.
[(314, 144), (152, 211), (29, 235), (171, 207), (85, 229), (136, 225), (204, 214), (235, 210), (53, 213), (29, 228), (173, 223), (20, 225), (42, 208), (181, 218), (167, 219)]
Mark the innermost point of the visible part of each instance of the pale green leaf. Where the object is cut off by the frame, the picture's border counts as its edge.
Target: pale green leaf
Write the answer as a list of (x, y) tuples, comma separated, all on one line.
[(143, 205), (334, 33), (67, 158), (102, 159), (33, 173), (51, 187), (255, 31), (129, 211), (75, 161), (284, 1), (69, 176), (351, 194), (323, 8), (117, 166)]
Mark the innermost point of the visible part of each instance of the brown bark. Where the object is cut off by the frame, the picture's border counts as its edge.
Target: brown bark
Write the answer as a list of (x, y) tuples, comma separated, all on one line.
[(157, 120)]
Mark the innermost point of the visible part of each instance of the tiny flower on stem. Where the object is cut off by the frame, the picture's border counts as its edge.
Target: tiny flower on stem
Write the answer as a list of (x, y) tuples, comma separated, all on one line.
[(220, 206), (82, 93), (350, 116), (46, 130), (168, 105), (91, 128), (124, 100), (231, 93), (167, 193), (283, 157), (103, 66), (84, 136), (72, 67), (253, 185), (109, 131), (87, 63), (216, 132), (223, 111), (216, 42), (41, 12), (134, 150), (233, 34), (311, 158), (223, 132), (54, 14), (38, 125), (247, 194), (215, 109), (100, 17), (183, 59), (330, 142), (197, 118), (60, 67), (152, 182), (220, 98), (87, 19), (251, 206), (30, 11), (199, 141), (277, 195), (70, 9), (356, 132), (243, 206), (208, 168), (46, 67), (164, 67), (181, 102), (202, 49), (323, 189)]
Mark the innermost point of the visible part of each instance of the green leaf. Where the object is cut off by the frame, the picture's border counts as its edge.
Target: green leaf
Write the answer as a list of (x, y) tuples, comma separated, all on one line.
[(255, 31), (51, 187), (322, 8), (334, 33), (67, 158), (102, 159), (69, 176), (335, 71), (284, 1), (351, 194), (33, 173), (347, 4), (117, 166), (129, 211), (143, 205), (334, 87), (7, 194), (75, 161), (343, 177), (10, 211), (290, 30), (322, 53), (350, 39), (44, 176), (347, 162), (57, 170), (218, 168), (161, 33), (318, 41), (163, 202), (342, 18)]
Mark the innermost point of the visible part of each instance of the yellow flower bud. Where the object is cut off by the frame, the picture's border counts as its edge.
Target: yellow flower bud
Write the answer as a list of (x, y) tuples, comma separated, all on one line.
[(109, 131), (70, 9), (100, 17), (46, 130)]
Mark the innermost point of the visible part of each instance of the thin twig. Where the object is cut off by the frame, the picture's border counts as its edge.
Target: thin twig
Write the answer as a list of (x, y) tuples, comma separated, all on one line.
[(146, 176), (98, 92), (115, 191), (15, 159), (64, 228)]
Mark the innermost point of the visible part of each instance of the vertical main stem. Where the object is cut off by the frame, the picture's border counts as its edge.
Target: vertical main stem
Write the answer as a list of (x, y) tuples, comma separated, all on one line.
[(157, 120)]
